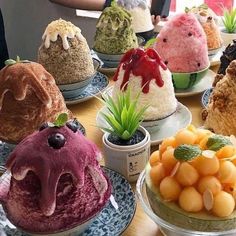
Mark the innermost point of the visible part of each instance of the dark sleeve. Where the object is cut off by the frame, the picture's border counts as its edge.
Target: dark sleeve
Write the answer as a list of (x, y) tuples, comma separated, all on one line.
[(3, 46), (107, 3)]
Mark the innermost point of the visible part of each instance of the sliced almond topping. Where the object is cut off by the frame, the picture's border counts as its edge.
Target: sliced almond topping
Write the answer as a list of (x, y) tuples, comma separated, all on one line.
[(208, 199), (175, 169), (208, 153), (232, 139)]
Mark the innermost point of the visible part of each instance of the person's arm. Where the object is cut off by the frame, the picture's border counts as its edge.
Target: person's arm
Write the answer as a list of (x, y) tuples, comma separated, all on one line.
[(82, 4)]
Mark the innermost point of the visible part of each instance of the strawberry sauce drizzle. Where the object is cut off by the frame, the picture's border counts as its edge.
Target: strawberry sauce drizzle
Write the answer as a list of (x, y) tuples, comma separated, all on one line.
[(141, 63)]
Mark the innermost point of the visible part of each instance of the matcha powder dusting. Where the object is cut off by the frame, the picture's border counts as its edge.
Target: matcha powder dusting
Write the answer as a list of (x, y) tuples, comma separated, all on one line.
[(114, 34)]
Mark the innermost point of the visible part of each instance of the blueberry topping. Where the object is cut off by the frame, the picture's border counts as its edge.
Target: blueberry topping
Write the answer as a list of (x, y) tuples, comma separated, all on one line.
[(74, 125), (43, 126), (166, 62), (190, 34), (164, 40), (56, 140)]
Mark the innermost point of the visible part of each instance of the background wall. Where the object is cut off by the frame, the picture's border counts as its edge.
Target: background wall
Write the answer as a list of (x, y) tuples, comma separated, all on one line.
[(26, 20)]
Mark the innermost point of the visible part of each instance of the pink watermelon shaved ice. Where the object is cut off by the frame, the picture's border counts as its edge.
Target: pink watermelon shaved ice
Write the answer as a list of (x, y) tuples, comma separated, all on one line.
[(182, 44), (54, 189)]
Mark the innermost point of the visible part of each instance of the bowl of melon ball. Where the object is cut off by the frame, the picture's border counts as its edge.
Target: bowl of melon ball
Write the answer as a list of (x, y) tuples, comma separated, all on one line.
[(189, 185)]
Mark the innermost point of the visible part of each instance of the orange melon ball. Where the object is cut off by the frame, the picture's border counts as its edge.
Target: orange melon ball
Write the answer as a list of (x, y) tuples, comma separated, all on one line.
[(207, 166), (227, 172), (211, 183), (191, 128), (168, 159), (223, 205), (203, 142), (157, 173), (201, 134), (187, 175), (168, 142), (225, 152), (154, 158), (191, 200), (185, 136), (170, 189)]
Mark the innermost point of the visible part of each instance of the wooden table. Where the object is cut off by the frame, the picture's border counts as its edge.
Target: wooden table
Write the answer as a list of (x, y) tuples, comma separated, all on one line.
[(86, 112)]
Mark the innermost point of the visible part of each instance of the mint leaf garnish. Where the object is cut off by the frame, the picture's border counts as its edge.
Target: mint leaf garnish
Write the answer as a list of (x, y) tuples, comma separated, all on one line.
[(61, 120), (216, 142), (187, 152)]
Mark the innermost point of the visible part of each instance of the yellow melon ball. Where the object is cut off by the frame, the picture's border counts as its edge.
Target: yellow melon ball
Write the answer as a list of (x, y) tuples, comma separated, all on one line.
[(225, 152), (157, 173), (223, 205), (191, 128), (185, 136), (154, 158), (211, 183), (168, 159), (207, 166), (170, 189), (187, 175), (201, 134), (168, 142), (190, 200), (227, 172)]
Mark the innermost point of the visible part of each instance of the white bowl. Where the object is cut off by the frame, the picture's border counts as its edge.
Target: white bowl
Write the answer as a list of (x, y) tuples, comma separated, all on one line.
[(74, 89)]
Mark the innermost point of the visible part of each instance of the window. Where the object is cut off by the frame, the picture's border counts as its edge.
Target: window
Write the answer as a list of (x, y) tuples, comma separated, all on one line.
[(215, 5)]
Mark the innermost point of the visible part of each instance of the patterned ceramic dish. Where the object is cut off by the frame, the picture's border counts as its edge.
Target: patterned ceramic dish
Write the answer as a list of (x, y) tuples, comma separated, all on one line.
[(97, 85), (70, 90), (112, 220), (206, 96)]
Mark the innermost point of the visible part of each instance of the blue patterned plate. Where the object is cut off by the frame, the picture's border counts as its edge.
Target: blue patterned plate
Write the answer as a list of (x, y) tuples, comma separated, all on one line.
[(98, 84), (205, 97), (109, 222)]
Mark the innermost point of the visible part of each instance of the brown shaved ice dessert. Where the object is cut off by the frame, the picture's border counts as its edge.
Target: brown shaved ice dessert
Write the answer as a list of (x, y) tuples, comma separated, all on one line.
[(28, 98), (56, 182), (220, 111), (65, 53), (191, 180)]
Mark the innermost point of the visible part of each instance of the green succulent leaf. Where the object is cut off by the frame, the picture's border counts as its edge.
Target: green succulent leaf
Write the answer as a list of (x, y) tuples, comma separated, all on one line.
[(123, 116), (61, 120), (229, 19), (150, 43), (216, 142), (187, 152)]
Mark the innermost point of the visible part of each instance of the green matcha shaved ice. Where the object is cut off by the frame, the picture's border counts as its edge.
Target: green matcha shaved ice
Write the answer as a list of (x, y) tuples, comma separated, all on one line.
[(114, 34)]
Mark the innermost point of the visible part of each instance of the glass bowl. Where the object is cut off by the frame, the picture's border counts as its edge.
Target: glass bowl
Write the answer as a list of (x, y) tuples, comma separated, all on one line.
[(166, 228)]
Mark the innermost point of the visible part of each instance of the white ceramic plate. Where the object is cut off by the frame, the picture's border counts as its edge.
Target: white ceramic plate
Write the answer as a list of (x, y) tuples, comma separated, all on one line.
[(170, 125), (215, 59), (205, 83)]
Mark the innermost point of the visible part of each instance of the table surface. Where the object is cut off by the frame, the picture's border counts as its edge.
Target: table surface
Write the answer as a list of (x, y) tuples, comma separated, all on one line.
[(86, 113)]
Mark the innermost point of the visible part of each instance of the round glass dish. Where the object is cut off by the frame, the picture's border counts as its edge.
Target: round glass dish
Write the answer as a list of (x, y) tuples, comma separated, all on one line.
[(166, 228)]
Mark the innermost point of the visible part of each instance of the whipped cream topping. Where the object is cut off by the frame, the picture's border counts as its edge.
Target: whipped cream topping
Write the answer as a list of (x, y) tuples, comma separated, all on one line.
[(63, 29), (131, 4)]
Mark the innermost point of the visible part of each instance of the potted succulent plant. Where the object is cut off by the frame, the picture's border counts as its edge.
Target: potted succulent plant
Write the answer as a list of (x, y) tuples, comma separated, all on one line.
[(228, 32), (126, 143)]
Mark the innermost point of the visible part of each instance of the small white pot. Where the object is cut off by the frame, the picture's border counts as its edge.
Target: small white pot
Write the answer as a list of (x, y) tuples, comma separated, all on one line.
[(127, 160), (227, 37)]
